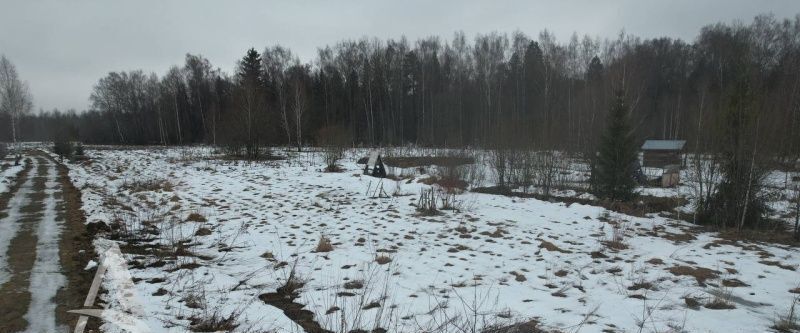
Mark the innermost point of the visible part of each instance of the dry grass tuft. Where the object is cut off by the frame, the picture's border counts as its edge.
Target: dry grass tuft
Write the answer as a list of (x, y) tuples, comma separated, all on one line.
[(355, 284), (597, 255), (641, 285), (719, 303), (383, 259), (617, 241), (152, 185), (194, 301), (324, 245), (268, 255), (551, 247), (691, 302), (196, 217), (214, 323)]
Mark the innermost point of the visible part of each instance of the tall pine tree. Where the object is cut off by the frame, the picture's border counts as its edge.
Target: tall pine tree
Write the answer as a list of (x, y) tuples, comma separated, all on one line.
[(613, 174), (249, 70)]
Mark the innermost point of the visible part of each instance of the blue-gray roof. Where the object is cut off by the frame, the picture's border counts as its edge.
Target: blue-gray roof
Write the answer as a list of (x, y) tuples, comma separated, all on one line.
[(663, 144)]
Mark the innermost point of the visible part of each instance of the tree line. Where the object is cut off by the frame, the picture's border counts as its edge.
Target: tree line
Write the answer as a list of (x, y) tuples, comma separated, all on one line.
[(457, 92)]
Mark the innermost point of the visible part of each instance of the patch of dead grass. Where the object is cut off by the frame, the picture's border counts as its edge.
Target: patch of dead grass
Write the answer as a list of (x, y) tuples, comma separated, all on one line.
[(383, 259), (324, 245), (551, 247), (777, 264), (196, 217), (701, 274), (734, 283), (718, 303)]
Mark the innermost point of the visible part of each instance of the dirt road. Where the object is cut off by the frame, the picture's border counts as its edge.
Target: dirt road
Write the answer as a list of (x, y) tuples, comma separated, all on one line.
[(43, 247)]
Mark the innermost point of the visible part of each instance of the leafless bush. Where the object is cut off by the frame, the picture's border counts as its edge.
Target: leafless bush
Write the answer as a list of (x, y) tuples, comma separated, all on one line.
[(796, 200), (363, 304), (474, 311), (140, 225), (209, 316), (500, 159), (449, 201), (546, 169), (470, 173), (426, 204), (333, 140), (704, 176), (618, 235)]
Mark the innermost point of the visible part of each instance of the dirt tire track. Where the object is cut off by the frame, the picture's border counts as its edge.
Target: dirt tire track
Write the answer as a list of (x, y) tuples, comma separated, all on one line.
[(15, 297), (76, 250), (18, 181)]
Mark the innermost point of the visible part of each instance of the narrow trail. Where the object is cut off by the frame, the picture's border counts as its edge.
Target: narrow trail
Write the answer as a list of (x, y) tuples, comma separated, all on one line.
[(20, 254), (37, 267), (11, 213), (46, 278)]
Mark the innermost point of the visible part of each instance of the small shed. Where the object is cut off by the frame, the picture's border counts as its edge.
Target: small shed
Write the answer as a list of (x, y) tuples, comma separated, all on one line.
[(375, 166), (661, 153)]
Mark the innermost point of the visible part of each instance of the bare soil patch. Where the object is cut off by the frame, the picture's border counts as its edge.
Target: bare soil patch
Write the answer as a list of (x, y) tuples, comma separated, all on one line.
[(284, 299)]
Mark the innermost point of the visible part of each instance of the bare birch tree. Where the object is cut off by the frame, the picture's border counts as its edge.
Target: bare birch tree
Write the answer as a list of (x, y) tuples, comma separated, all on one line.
[(300, 106), (15, 98), (276, 61)]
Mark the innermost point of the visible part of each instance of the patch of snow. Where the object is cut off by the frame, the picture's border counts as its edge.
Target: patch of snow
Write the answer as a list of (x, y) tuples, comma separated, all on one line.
[(9, 226), (46, 277)]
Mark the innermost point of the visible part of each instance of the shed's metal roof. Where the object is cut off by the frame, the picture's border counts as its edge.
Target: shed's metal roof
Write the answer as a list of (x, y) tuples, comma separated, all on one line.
[(663, 144)]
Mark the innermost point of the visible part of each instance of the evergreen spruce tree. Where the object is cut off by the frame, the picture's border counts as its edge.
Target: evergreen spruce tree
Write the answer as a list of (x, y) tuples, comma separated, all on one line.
[(250, 67), (613, 174)]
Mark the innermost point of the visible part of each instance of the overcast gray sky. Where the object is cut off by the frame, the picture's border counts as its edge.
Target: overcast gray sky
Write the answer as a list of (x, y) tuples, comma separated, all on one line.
[(63, 47)]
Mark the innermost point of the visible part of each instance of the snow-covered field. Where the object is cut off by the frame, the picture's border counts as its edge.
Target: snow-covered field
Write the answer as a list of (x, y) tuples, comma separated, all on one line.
[(204, 238)]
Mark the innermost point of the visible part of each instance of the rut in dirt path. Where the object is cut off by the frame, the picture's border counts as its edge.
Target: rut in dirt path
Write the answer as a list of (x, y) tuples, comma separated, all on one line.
[(29, 252), (11, 213)]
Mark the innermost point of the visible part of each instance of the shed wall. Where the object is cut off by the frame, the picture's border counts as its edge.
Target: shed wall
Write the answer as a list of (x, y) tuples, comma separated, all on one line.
[(661, 158)]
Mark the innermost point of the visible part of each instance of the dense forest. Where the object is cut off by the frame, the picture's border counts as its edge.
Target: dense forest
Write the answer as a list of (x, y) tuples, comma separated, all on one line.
[(534, 91)]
